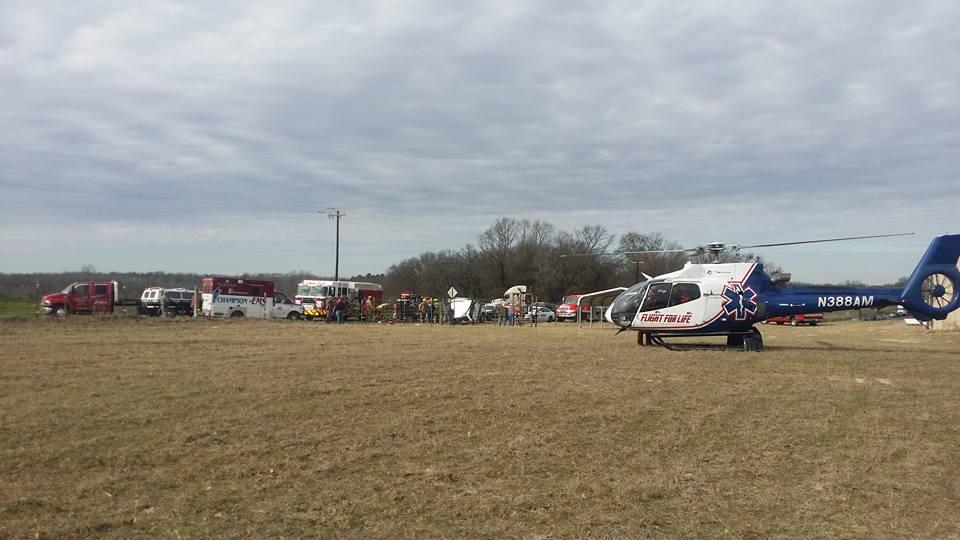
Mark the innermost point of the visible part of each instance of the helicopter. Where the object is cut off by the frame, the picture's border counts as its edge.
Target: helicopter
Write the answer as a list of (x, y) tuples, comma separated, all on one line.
[(728, 299)]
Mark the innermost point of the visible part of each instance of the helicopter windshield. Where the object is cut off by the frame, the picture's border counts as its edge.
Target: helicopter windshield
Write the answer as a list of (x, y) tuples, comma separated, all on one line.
[(624, 307)]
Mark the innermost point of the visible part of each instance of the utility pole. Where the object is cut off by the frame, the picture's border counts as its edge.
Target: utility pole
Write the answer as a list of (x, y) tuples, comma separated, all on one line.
[(336, 213)]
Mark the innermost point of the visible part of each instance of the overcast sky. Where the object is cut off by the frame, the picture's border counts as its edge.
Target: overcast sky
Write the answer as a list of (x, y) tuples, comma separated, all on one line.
[(206, 136)]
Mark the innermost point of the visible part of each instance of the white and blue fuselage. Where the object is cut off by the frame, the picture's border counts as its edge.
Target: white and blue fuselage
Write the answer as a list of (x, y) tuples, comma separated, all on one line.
[(732, 297)]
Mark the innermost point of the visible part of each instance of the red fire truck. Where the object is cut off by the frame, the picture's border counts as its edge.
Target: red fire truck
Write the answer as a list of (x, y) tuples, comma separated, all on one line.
[(316, 295), (567, 310)]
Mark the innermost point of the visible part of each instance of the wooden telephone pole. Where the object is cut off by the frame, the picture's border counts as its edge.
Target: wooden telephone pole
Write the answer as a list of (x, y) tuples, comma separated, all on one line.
[(336, 214)]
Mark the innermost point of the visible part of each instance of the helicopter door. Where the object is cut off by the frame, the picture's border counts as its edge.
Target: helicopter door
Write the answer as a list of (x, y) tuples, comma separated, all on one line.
[(658, 297), (671, 305)]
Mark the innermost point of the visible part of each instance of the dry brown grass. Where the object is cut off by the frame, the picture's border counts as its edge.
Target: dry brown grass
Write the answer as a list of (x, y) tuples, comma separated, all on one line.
[(159, 428)]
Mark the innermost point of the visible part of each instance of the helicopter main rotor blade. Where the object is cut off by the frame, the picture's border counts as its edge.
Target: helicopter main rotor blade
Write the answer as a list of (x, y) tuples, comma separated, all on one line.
[(819, 241), (586, 255), (717, 248), (618, 253), (688, 250)]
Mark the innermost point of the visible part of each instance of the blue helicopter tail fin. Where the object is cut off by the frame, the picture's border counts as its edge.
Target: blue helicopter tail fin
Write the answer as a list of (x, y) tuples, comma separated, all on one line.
[(932, 290)]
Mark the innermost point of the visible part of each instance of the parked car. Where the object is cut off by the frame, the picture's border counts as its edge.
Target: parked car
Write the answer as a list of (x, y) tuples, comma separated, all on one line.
[(796, 320), (488, 312), (552, 307), (160, 302), (540, 314)]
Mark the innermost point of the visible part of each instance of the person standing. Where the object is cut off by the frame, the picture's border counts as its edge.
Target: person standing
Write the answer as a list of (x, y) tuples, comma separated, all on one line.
[(422, 310), (367, 309)]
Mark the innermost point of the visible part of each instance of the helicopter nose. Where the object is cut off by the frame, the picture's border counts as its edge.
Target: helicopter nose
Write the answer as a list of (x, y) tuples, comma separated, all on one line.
[(608, 315), (624, 307)]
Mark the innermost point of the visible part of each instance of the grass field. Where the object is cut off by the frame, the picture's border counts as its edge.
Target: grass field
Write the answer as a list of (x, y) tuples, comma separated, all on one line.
[(195, 428), (17, 307)]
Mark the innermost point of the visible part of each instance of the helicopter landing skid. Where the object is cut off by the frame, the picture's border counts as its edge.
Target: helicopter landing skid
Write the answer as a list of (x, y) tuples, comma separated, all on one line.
[(750, 340)]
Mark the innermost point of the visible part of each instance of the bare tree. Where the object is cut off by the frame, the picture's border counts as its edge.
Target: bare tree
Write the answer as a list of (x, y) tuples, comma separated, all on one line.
[(595, 238), (440, 271), (597, 272), (471, 272), (498, 242), (632, 245), (537, 233), (403, 276)]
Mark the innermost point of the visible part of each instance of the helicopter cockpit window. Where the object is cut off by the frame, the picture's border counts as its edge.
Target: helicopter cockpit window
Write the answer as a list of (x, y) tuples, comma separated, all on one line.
[(683, 293), (625, 306), (658, 297)]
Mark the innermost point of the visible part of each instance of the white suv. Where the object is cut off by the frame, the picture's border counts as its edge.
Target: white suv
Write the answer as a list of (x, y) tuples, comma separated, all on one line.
[(159, 302)]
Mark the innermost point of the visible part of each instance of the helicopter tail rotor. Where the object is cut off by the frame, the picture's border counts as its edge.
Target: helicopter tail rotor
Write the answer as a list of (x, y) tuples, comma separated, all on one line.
[(933, 290)]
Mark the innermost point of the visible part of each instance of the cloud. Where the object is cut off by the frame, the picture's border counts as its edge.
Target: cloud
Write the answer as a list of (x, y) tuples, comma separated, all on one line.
[(124, 122)]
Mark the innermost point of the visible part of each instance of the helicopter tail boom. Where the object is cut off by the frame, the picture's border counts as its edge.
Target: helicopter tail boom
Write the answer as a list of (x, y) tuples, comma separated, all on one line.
[(932, 291)]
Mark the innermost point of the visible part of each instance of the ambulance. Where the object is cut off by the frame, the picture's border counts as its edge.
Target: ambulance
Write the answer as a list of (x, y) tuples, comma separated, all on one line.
[(241, 297)]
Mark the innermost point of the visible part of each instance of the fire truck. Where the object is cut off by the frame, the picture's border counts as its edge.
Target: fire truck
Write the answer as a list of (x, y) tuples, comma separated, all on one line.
[(240, 297), (567, 310), (315, 295)]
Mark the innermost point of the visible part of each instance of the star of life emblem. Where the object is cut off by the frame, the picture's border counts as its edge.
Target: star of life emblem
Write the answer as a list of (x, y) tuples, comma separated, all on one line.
[(738, 301)]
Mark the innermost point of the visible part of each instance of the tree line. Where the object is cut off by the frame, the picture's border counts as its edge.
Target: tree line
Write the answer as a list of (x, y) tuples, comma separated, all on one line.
[(550, 261), (535, 253)]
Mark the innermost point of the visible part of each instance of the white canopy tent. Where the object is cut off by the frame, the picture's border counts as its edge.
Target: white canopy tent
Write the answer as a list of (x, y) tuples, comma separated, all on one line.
[(601, 296)]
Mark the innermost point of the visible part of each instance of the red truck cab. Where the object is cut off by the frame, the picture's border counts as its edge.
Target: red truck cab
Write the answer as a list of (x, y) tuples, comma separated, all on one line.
[(82, 297), (796, 320), (567, 309)]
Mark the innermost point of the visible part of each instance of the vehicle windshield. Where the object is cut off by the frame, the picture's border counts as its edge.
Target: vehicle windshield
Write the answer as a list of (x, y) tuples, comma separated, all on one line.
[(570, 299), (312, 290), (68, 288), (624, 307)]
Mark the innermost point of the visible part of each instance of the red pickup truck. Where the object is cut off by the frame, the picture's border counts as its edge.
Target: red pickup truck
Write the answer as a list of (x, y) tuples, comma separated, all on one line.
[(796, 320), (83, 297)]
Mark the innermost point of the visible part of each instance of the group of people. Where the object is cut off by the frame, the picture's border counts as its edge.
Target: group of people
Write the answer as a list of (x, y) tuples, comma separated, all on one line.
[(425, 310), (337, 310), (508, 315)]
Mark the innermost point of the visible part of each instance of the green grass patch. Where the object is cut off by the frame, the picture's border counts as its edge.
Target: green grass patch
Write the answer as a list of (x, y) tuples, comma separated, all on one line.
[(18, 307)]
